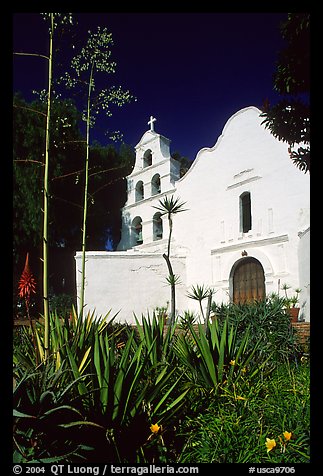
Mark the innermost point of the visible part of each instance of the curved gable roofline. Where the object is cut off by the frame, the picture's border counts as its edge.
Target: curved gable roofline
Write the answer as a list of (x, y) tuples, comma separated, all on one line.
[(224, 130), (149, 136)]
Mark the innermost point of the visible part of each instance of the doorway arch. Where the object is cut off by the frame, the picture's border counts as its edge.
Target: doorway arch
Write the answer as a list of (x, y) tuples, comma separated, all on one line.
[(248, 281)]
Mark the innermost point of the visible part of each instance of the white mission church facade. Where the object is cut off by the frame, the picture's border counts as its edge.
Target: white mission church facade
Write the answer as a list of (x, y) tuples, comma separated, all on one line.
[(245, 231)]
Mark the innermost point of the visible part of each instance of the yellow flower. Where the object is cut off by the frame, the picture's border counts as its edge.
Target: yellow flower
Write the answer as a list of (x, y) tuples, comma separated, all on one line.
[(240, 398), (244, 370), (232, 362), (155, 428), (270, 444), (287, 435)]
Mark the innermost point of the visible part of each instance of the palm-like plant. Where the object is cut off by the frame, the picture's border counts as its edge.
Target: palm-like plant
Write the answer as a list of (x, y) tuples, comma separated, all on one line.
[(170, 206), (199, 293)]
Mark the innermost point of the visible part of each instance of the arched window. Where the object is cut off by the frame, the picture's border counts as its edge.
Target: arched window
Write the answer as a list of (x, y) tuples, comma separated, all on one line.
[(245, 212), (157, 227), (155, 184), (147, 158), (139, 191), (136, 232), (248, 281)]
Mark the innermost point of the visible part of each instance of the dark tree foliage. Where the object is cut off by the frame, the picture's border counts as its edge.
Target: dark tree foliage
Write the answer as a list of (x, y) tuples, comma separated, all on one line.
[(28, 167), (29, 120), (289, 119), (185, 163), (107, 183), (28, 142), (108, 193)]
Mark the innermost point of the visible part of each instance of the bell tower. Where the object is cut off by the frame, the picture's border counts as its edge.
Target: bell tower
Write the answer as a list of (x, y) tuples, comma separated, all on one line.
[(153, 177)]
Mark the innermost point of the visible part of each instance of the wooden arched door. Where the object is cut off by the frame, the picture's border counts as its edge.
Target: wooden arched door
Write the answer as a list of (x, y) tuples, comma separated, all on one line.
[(248, 281)]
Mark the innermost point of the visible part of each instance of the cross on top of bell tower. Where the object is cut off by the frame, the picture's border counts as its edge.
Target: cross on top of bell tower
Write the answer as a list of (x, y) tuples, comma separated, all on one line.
[(151, 123)]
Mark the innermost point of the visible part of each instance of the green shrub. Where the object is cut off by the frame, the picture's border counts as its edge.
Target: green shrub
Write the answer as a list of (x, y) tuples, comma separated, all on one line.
[(270, 326), (115, 393)]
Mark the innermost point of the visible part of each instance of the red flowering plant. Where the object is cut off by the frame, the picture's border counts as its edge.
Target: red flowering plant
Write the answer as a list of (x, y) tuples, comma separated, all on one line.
[(27, 285)]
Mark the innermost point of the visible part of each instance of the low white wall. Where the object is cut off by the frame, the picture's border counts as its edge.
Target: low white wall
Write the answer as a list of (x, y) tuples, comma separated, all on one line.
[(304, 273), (128, 283)]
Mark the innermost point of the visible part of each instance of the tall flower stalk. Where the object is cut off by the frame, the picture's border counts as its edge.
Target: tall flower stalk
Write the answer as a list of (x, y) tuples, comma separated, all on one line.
[(53, 19), (86, 184), (45, 194), (94, 57)]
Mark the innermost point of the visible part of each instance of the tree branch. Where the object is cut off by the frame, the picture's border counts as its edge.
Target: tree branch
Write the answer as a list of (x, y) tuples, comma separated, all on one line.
[(29, 160), (68, 201), (32, 54), (30, 109), (105, 170)]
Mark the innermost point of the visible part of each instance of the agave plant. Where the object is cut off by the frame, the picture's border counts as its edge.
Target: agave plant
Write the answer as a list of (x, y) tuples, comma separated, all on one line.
[(45, 404)]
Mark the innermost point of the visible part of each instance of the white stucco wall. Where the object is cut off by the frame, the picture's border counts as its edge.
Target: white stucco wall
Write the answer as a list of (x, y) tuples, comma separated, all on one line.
[(207, 240), (128, 283), (304, 273), (246, 158)]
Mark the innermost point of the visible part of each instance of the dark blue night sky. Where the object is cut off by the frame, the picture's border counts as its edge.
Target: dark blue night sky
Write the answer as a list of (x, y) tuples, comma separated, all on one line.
[(191, 71)]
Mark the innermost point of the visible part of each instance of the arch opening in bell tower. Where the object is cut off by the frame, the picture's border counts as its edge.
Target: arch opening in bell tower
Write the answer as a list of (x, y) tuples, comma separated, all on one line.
[(147, 158)]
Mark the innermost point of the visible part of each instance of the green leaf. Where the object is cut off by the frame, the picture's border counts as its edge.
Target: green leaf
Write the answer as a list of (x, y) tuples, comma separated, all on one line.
[(60, 408), (81, 385), (81, 423), (18, 414)]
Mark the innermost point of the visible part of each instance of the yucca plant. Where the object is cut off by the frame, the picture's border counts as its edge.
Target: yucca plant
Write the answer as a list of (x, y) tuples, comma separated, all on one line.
[(133, 387), (156, 338), (186, 318), (214, 356), (71, 340)]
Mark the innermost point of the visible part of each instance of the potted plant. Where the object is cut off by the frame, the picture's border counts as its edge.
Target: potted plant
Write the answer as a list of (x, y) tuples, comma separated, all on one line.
[(291, 303)]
